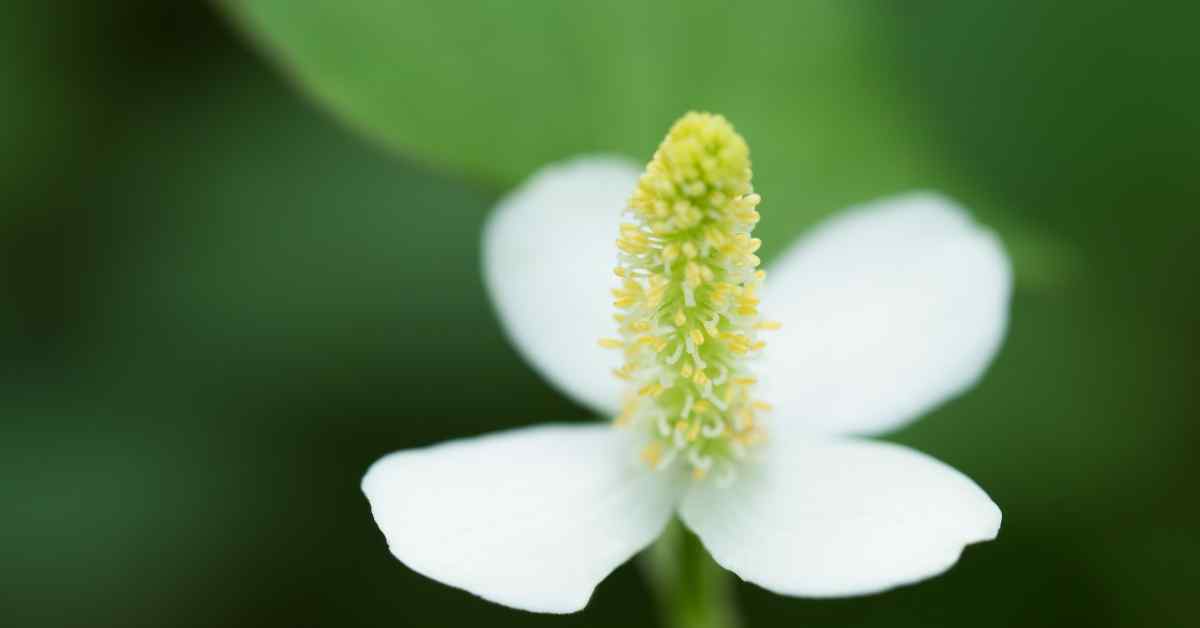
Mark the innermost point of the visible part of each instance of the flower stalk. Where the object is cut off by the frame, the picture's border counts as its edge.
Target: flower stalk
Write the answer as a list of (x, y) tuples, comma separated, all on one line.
[(690, 589)]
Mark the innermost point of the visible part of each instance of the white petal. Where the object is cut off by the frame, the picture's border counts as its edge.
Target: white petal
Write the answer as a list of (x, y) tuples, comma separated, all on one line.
[(887, 310), (549, 252), (838, 518), (532, 518)]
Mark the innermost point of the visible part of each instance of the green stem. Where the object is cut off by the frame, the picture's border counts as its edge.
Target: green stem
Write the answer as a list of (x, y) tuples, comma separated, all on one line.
[(692, 591)]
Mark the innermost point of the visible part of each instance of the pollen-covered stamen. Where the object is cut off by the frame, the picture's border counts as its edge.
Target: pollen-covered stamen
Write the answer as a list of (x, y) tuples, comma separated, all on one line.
[(688, 300)]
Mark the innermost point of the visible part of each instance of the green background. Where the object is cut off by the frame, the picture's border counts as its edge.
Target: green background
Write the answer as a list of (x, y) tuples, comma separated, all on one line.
[(239, 262)]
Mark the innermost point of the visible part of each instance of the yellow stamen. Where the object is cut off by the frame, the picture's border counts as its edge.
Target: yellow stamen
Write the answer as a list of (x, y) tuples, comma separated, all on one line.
[(652, 453)]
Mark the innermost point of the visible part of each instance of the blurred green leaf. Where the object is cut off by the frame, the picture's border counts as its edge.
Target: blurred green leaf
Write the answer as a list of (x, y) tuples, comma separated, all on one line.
[(498, 89), (275, 259)]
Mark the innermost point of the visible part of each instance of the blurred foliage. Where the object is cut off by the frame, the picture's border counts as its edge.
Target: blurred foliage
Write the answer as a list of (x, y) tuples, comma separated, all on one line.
[(504, 88), (46, 104), (220, 306)]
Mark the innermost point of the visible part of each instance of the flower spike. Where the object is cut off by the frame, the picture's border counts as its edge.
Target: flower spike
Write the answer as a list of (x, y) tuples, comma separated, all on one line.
[(689, 300)]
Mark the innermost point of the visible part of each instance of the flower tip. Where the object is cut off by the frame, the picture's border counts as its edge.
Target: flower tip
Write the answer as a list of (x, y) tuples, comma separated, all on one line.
[(701, 163)]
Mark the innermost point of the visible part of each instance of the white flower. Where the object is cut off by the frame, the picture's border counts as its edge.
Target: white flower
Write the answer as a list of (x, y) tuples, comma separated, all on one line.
[(888, 310)]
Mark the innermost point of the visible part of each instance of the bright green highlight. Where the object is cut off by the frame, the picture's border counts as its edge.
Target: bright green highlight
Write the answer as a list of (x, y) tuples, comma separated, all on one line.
[(688, 306)]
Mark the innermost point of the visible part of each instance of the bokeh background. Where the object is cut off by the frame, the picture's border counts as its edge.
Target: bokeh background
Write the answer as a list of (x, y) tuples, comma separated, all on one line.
[(239, 260)]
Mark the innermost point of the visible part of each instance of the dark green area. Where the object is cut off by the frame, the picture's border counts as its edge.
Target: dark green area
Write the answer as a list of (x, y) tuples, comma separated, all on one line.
[(220, 304)]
